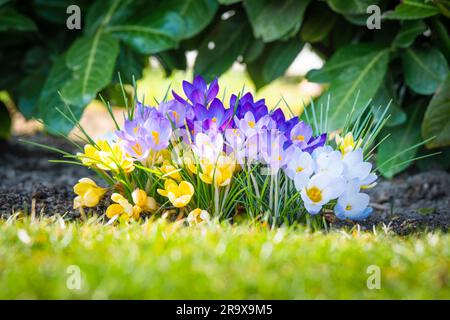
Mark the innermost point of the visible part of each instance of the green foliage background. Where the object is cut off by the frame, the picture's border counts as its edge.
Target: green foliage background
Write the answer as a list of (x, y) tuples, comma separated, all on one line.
[(405, 62)]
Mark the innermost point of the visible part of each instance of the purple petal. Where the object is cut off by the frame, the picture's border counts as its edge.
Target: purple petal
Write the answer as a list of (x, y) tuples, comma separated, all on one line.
[(187, 88), (199, 83), (212, 90)]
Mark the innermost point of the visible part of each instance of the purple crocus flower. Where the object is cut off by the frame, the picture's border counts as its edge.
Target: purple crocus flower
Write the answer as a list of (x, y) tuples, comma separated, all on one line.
[(198, 92), (175, 111), (301, 136), (246, 104), (216, 117)]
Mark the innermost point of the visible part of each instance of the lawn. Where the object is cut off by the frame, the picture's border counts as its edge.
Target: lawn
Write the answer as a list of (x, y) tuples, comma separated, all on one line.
[(160, 260)]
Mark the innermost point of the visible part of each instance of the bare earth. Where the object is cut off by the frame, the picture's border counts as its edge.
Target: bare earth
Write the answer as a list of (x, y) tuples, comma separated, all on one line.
[(414, 201)]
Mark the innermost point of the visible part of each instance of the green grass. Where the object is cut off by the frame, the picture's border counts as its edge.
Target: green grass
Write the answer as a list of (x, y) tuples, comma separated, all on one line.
[(159, 260)]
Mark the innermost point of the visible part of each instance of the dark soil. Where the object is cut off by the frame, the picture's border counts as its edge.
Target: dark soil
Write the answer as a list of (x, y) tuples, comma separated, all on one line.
[(414, 201)]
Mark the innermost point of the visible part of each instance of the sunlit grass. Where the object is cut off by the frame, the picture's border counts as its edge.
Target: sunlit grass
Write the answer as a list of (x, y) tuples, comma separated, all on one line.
[(165, 260)]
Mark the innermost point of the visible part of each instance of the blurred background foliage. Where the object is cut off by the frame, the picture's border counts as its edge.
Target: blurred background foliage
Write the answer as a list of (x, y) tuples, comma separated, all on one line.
[(44, 65)]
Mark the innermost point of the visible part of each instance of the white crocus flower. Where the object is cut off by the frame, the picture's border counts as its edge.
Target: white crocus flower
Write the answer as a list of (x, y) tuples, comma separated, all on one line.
[(208, 146), (356, 169), (321, 188), (300, 166), (329, 162)]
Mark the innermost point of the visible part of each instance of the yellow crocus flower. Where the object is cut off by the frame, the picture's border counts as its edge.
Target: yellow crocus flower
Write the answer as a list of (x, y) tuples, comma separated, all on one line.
[(198, 216), (106, 157), (221, 173), (125, 210), (170, 171), (347, 144), (179, 194), (88, 193)]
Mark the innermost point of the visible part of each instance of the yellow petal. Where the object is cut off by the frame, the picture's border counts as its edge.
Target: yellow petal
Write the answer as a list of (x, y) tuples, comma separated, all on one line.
[(114, 210), (150, 205), (117, 197), (139, 197), (186, 188)]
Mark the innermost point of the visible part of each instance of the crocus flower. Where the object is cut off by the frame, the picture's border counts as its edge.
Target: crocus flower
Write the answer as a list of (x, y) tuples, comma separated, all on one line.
[(216, 117), (107, 157), (353, 204), (302, 136), (246, 104), (219, 172), (175, 111), (329, 161), (88, 193), (179, 194), (347, 144), (125, 210), (250, 126), (208, 145), (198, 92), (198, 216), (170, 171), (300, 166), (321, 188), (355, 168)]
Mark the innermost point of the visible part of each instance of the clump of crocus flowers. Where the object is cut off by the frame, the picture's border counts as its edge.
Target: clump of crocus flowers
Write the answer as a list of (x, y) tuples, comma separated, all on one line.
[(209, 158)]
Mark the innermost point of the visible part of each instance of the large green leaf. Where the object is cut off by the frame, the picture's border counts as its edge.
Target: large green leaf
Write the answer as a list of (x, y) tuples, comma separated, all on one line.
[(92, 60), (5, 122), (272, 19), (29, 91), (425, 69), (437, 117), (274, 61), (413, 9), (359, 80), (230, 39), (226, 2), (401, 138), (50, 100), (172, 60), (197, 14), (344, 58), (10, 19), (154, 33), (350, 6), (386, 96), (129, 64), (408, 33), (318, 23)]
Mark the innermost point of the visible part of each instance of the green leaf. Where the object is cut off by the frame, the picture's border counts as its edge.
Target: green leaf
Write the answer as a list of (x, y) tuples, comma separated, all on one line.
[(425, 69), (154, 33), (172, 60), (271, 19), (359, 80), (254, 50), (10, 19), (230, 38), (49, 99), (384, 96), (5, 122), (350, 6), (318, 23), (413, 9), (197, 14), (274, 61), (344, 58), (409, 32), (437, 117), (92, 60), (129, 64), (401, 138), (227, 2), (29, 91)]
